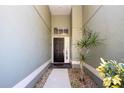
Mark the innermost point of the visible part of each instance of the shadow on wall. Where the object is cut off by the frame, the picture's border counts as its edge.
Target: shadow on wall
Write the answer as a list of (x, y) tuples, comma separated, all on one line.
[(108, 22)]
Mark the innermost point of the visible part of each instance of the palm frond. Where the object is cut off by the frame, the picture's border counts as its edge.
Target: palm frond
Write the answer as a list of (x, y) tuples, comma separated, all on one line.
[(92, 40)]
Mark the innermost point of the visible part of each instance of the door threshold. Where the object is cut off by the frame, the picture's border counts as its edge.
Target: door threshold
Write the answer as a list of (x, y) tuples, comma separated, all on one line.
[(58, 63), (63, 65)]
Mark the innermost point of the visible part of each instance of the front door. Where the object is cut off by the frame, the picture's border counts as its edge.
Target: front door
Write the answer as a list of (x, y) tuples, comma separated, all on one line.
[(59, 50)]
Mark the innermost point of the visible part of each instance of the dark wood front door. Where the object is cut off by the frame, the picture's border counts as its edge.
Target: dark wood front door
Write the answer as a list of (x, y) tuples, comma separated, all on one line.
[(58, 49)]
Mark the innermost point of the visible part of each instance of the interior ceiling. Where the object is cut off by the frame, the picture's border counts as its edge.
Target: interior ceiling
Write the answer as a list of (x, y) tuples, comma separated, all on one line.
[(60, 9)]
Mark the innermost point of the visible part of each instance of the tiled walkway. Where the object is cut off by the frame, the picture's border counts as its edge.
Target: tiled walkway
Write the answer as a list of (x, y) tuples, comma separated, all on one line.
[(58, 78)]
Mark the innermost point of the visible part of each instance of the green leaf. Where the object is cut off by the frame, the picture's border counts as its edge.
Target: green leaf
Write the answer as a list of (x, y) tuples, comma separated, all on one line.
[(115, 86)]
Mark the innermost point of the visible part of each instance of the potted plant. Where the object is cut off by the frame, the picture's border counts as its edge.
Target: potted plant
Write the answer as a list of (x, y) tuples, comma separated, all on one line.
[(112, 73), (91, 39)]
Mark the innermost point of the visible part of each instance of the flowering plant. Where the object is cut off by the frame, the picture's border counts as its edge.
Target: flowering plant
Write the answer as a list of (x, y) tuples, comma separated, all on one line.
[(112, 73)]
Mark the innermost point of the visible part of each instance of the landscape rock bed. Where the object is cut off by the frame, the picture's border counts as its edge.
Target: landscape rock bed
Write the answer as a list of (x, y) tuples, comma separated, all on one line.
[(43, 79), (74, 75)]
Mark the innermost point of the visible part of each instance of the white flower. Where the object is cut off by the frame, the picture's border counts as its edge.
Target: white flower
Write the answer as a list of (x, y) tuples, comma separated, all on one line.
[(107, 81), (116, 80), (102, 60)]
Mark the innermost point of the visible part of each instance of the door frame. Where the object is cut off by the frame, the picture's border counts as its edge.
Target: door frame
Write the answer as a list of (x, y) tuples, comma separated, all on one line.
[(52, 50)]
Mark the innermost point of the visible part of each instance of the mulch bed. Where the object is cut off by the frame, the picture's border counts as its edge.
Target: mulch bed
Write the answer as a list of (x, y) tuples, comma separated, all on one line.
[(43, 79), (74, 75)]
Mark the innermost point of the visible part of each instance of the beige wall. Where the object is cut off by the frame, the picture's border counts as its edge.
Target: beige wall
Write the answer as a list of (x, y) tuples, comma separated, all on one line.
[(45, 13), (60, 21), (25, 42), (108, 21), (76, 30), (89, 11)]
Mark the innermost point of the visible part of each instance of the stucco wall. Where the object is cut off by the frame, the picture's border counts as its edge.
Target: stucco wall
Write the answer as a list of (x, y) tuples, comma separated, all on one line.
[(45, 13), (76, 30), (108, 21), (60, 21), (24, 42)]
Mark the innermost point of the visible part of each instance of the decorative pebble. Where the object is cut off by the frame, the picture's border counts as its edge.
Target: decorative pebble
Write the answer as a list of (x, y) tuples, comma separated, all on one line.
[(43, 79), (74, 75)]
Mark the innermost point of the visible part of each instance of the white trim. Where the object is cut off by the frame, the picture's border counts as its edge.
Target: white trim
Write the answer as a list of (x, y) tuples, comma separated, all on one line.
[(52, 48), (93, 70), (23, 83), (75, 62)]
